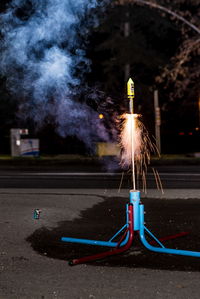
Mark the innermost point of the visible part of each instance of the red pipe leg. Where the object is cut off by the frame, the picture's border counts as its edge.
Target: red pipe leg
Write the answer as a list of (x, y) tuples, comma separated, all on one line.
[(171, 237), (114, 251)]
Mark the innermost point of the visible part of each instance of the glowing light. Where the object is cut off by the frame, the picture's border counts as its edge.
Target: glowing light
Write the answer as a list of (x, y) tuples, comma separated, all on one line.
[(101, 116), (18, 142)]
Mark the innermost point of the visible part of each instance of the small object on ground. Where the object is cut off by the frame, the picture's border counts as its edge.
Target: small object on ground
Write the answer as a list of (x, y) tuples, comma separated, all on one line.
[(36, 214)]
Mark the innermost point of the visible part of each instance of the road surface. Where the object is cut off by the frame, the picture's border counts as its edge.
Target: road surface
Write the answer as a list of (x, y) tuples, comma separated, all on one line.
[(171, 177)]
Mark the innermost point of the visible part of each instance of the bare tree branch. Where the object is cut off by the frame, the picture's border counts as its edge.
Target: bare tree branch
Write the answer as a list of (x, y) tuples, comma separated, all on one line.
[(162, 8), (182, 71)]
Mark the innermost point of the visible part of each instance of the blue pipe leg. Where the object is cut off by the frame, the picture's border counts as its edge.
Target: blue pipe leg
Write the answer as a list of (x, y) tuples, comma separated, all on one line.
[(102, 243), (152, 235), (159, 249), (95, 242), (123, 227), (89, 242)]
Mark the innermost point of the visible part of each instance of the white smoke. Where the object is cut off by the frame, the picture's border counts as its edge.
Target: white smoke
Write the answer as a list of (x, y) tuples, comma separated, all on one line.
[(42, 54)]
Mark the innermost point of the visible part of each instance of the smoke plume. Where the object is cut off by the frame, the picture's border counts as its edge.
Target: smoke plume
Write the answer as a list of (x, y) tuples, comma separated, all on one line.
[(42, 54)]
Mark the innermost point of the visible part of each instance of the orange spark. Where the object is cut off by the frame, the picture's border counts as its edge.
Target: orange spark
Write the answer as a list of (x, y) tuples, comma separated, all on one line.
[(136, 145), (130, 133)]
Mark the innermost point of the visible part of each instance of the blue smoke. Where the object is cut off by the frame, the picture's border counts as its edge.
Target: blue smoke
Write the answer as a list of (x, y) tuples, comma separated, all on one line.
[(42, 54)]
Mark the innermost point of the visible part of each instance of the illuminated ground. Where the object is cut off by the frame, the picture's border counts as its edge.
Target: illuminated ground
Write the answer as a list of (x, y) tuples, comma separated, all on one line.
[(33, 261)]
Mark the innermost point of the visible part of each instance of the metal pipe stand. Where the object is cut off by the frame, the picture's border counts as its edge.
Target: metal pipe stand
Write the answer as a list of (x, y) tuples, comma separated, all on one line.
[(134, 224)]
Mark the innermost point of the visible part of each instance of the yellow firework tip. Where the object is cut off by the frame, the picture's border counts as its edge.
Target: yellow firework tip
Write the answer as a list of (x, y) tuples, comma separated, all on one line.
[(130, 89)]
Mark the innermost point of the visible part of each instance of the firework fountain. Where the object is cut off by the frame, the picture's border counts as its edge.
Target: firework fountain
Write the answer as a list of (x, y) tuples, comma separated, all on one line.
[(136, 147)]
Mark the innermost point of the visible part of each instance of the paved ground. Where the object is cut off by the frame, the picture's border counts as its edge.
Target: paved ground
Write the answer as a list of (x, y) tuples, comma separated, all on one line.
[(33, 261)]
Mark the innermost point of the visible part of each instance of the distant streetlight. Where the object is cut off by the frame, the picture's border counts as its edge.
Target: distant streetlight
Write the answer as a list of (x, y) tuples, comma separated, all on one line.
[(101, 116)]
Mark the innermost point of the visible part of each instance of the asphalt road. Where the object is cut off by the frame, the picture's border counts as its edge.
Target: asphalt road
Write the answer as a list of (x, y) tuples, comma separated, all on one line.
[(33, 260), (171, 177)]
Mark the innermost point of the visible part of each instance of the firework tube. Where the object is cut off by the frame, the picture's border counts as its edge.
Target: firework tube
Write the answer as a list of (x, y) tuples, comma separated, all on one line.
[(130, 94)]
